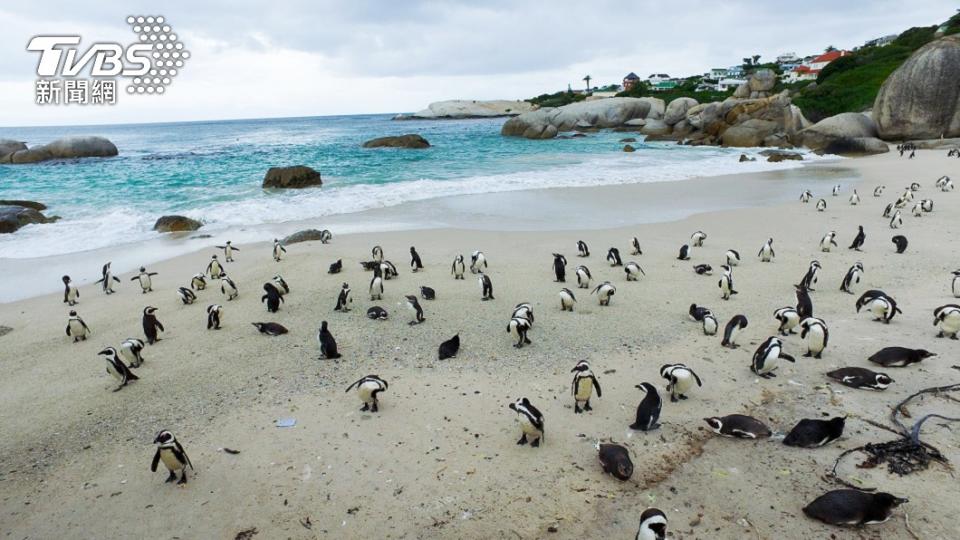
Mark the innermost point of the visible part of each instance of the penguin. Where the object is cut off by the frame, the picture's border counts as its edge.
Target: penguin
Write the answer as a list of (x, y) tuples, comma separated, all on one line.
[(377, 253), (738, 426), (852, 507), (888, 210), (278, 250), (767, 357), (635, 246), (151, 324), (131, 350), (336, 267), (198, 282), (427, 293), (170, 451), (858, 377), (926, 205), (214, 269), (858, 240), (76, 328), (415, 263), (524, 311), (852, 276), (449, 348), (733, 257), (914, 186), (214, 314), (281, 285), (107, 279), (806, 196), (680, 380), (325, 236), (955, 284), (648, 412), (145, 279), (710, 325), (896, 221), (821, 205), (376, 286), (344, 299), (604, 292), (228, 287), (703, 269), (531, 422), (486, 287), (878, 191), (518, 327), (560, 267), (736, 325), (697, 313), (810, 433), (186, 295), (582, 249), (583, 277), (273, 298), (582, 386), (615, 460), (900, 242), (788, 319), (726, 283), (828, 241), (478, 262), (697, 238), (613, 257), (653, 525), (457, 268), (270, 328), (633, 271), (367, 389), (882, 306), (946, 186), (414, 306), (328, 345), (836, 190), (855, 198), (766, 252), (899, 356), (917, 209), (948, 318), (567, 299), (388, 270), (684, 254), (804, 304), (817, 334), (377, 313), (117, 368), (811, 276), (228, 250)]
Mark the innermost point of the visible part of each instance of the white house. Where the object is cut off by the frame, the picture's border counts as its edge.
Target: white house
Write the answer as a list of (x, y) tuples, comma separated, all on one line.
[(656, 78), (810, 69), (726, 84), (788, 58)]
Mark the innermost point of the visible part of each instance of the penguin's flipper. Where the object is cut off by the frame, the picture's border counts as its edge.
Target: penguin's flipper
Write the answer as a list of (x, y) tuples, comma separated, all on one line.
[(695, 376), (596, 384), (160, 326), (156, 461), (787, 357), (68, 327), (181, 455)]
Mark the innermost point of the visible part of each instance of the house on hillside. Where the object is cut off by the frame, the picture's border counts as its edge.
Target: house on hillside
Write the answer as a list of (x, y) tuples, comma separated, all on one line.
[(663, 85), (630, 81), (788, 58), (881, 41), (810, 69), (735, 72), (655, 78), (728, 84), (717, 73)]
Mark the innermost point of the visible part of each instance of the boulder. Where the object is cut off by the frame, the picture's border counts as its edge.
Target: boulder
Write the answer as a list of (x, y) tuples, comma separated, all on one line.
[(749, 133), (742, 91), (744, 158), (13, 217), (604, 113), (657, 107), (776, 156), (655, 127), (762, 80), (26, 204), (855, 146), (628, 148), (8, 147), (410, 140), (839, 132), (296, 177), (677, 110), (176, 224), (466, 108), (307, 235), (921, 98), (636, 122), (66, 148)]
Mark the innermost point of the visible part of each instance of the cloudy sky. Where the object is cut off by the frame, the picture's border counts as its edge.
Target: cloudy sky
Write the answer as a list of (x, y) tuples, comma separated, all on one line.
[(323, 57)]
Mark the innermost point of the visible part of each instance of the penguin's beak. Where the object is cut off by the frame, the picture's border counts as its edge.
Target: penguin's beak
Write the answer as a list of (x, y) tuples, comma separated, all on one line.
[(513, 406), (901, 500)]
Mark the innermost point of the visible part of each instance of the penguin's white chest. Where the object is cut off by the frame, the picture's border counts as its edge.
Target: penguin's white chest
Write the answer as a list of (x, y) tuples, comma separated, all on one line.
[(112, 370), (72, 294), (584, 388), (684, 381), (526, 425), (771, 361), (734, 332), (170, 460), (709, 326), (365, 391), (77, 329), (765, 254), (951, 323), (567, 300), (815, 339), (215, 270), (128, 355), (878, 308), (145, 281)]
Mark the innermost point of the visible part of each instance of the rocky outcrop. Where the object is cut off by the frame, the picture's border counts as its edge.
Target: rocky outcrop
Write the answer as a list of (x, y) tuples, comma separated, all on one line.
[(176, 224), (66, 148), (307, 235), (602, 113), (845, 133), (26, 204), (921, 99), (296, 177), (776, 156), (13, 217), (655, 127), (456, 109), (629, 148), (759, 85), (410, 140), (677, 110)]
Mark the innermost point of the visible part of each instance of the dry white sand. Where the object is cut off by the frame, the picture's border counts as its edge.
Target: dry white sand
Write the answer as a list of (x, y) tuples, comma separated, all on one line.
[(439, 460)]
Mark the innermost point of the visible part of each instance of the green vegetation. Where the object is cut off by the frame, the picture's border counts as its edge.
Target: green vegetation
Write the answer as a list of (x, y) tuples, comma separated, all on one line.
[(557, 99), (686, 89)]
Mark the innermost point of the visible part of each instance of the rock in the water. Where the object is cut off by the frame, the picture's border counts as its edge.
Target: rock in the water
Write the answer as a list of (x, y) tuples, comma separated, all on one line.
[(845, 133), (628, 148), (677, 110), (776, 156), (26, 204), (628, 139), (466, 108), (602, 113), (66, 148), (307, 235), (14, 217), (744, 158), (296, 177), (410, 140), (176, 224), (8, 147), (921, 99)]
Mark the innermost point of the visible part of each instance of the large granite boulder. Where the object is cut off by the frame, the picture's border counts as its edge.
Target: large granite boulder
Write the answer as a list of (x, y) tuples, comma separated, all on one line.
[(762, 80), (306, 235), (26, 204), (296, 177), (750, 133), (13, 217), (66, 148), (8, 147), (845, 133), (410, 140), (176, 224), (602, 113), (677, 110), (468, 108), (921, 99), (655, 127)]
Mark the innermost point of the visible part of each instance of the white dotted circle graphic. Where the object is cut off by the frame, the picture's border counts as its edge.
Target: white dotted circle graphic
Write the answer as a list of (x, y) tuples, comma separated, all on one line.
[(166, 52)]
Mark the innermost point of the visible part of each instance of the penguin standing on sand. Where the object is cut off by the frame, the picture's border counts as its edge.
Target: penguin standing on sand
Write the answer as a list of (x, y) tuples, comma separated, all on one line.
[(736, 325), (684, 254), (888, 210), (458, 268), (525, 311), (376, 285), (710, 325), (858, 377), (228, 287), (414, 305), (648, 412), (583, 277), (76, 328), (367, 390), (955, 284), (273, 298), (855, 198), (214, 269), (567, 299), (146, 280), (518, 328), (836, 190), (948, 318), (852, 507), (726, 283), (278, 250), (604, 292), (584, 381), (828, 241), (478, 262), (766, 252), (131, 350), (852, 277), (613, 257), (918, 209), (680, 380), (806, 196), (900, 242), (821, 205), (633, 271), (810, 433), (531, 422), (117, 368), (151, 324), (281, 285), (335, 267), (582, 249), (882, 306), (560, 267), (635, 246), (328, 345), (449, 348), (767, 357), (415, 263), (653, 525), (804, 303), (228, 250), (896, 221), (344, 299), (325, 236), (214, 314), (788, 319), (389, 270), (186, 295), (811, 277), (697, 238), (926, 205), (733, 257), (878, 191), (858, 240), (486, 287), (198, 282), (817, 334), (107, 279), (173, 456)]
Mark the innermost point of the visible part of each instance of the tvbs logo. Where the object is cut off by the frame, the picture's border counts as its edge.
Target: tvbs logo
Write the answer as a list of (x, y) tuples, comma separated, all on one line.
[(150, 63)]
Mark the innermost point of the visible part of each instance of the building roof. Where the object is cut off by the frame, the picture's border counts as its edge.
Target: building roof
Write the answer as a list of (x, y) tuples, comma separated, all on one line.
[(830, 56), (631, 77)]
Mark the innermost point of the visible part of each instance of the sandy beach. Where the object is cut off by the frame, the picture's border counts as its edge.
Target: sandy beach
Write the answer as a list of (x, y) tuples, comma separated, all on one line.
[(439, 459)]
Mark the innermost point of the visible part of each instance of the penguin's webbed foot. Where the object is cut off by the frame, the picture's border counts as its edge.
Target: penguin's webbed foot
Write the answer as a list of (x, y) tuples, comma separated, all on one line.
[(535, 443), (527, 341), (683, 396), (940, 335), (183, 477), (365, 408), (171, 478), (808, 354), (523, 439), (577, 409), (673, 398), (587, 406), (818, 355), (374, 408)]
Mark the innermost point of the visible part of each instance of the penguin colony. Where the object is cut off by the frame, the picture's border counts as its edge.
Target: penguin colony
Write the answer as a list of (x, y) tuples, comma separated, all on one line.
[(837, 507)]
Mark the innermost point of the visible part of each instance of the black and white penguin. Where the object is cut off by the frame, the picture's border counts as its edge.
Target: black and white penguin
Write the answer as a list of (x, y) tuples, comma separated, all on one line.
[(816, 333), (107, 279), (377, 253), (726, 283), (228, 287), (926, 205), (738, 426), (76, 328), (613, 257), (377, 313), (214, 269), (858, 240), (344, 300), (812, 276), (947, 317), (336, 267), (900, 242), (858, 377), (635, 246), (733, 257), (653, 525), (804, 303), (852, 277), (582, 249), (131, 350), (325, 236), (789, 318), (583, 277), (270, 328), (881, 305), (896, 221), (170, 451), (697, 238), (604, 292), (567, 299), (186, 295), (955, 284), (151, 324), (518, 327), (899, 356), (888, 210), (767, 357), (878, 191), (228, 250), (821, 205), (697, 313), (214, 316), (836, 190), (531, 422), (428, 293), (414, 306), (584, 381), (146, 280), (117, 368), (633, 271), (367, 390), (730, 333), (278, 250), (915, 186), (376, 286), (615, 460), (806, 196), (415, 263), (710, 325), (198, 282), (328, 345), (486, 287), (388, 270), (854, 198), (648, 412), (457, 268), (478, 262), (684, 254), (449, 348), (680, 380), (852, 507), (703, 269), (525, 311), (281, 285), (813, 433), (766, 252), (560, 267), (273, 298), (947, 185), (828, 241)]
